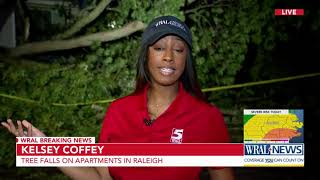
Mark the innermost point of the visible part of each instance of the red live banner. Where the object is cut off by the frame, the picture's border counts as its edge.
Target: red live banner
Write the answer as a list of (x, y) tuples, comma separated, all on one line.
[(289, 12), (129, 149)]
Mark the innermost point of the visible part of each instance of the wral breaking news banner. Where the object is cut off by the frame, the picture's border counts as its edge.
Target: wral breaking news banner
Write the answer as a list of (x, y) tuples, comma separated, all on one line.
[(272, 137)]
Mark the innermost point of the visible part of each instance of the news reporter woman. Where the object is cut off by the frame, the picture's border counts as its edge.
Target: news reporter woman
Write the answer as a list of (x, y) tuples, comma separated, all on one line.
[(167, 106)]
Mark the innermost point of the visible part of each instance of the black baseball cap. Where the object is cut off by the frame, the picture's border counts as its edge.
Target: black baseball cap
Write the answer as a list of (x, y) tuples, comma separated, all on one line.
[(166, 25)]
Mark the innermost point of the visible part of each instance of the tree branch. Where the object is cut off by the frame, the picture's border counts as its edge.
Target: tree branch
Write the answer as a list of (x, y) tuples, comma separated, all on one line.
[(214, 4), (83, 41), (84, 21)]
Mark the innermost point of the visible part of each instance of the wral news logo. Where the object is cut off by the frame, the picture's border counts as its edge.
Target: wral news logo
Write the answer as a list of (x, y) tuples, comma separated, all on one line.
[(274, 149)]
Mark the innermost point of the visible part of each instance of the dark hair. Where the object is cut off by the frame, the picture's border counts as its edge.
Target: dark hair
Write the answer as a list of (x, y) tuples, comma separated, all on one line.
[(188, 78)]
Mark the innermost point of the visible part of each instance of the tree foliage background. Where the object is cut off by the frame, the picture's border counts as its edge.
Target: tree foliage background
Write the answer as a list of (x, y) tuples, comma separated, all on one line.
[(234, 42)]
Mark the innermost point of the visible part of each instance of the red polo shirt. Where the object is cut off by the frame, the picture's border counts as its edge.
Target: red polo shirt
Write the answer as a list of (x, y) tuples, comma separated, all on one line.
[(187, 120)]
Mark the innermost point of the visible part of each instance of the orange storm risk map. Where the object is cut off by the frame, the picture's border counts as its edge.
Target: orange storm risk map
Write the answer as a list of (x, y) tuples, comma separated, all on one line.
[(273, 126)]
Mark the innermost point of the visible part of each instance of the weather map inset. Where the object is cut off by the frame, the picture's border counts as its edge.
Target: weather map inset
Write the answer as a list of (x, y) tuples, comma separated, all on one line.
[(273, 126)]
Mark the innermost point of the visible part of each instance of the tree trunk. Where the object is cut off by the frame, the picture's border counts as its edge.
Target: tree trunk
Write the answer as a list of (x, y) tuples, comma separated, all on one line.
[(84, 21), (87, 40)]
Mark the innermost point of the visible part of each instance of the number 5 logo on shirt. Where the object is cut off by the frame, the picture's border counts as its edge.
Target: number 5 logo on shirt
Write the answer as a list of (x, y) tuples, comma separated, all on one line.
[(176, 135)]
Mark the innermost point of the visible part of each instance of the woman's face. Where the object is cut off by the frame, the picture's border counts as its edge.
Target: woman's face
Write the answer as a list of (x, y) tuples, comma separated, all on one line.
[(166, 60)]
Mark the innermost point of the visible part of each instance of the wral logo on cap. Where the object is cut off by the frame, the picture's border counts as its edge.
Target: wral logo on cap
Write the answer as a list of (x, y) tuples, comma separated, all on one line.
[(173, 23), (165, 25)]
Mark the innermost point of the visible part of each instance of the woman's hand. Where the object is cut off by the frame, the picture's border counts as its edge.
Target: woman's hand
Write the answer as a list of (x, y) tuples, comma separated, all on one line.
[(30, 131), (26, 129)]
